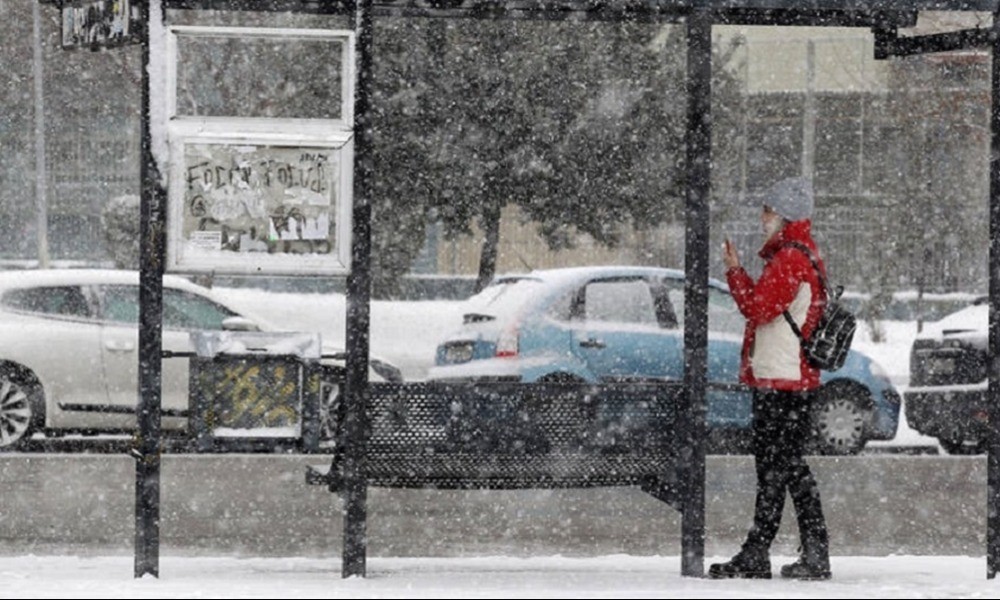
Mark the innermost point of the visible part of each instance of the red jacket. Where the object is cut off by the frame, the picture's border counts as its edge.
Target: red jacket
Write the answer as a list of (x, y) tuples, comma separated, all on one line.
[(772, 357)]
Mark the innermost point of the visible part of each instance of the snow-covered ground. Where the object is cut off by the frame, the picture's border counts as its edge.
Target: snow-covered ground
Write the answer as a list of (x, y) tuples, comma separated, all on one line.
[(615, 576)]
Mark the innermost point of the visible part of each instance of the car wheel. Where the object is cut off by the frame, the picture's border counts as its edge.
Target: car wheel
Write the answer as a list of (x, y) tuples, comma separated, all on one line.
[(22, 410), (840, 419), (962, 447)]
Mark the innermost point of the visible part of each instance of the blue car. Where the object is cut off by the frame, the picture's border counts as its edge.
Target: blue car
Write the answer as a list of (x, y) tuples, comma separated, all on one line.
[(612, 323)]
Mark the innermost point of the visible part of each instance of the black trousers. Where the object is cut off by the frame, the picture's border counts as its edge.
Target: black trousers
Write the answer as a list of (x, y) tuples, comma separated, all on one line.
[(781, 426)]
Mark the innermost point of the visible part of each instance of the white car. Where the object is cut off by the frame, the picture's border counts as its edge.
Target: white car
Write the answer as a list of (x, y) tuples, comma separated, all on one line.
[(69, 356)]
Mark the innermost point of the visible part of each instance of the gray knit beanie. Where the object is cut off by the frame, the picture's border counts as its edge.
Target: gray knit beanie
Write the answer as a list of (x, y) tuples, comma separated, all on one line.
[(791, 198)]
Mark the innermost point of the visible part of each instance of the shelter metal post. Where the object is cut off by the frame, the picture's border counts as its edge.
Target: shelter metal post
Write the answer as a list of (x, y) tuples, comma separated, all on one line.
[(41, 173), (691, 421), (355, 484), (993, 390), (152, 217)]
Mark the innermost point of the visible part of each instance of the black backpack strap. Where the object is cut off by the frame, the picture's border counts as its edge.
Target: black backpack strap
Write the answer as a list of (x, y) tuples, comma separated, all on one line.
[(819, 273), (795, 328), (815, 263)]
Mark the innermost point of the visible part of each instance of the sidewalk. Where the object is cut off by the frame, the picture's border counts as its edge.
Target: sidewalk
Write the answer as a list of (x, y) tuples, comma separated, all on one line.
[(490, 577)]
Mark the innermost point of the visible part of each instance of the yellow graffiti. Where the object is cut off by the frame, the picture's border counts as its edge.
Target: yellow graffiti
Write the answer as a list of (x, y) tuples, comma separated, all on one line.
[(256, 395)]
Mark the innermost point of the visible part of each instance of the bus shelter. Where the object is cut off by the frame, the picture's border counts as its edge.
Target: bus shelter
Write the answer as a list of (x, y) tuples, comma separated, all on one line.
[(373, 458)]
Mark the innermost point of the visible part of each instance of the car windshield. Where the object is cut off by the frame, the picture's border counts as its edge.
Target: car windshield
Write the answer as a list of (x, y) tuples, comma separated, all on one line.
[(503, 298)]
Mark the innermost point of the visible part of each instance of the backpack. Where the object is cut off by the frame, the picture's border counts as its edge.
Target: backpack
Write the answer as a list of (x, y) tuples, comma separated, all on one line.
[(830, 341)]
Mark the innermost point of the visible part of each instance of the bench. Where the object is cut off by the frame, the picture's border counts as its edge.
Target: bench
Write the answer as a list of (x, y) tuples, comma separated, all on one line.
[(517, 436)]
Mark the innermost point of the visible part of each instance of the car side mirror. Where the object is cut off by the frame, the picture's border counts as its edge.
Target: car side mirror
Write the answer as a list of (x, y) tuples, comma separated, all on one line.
[(239, 324)]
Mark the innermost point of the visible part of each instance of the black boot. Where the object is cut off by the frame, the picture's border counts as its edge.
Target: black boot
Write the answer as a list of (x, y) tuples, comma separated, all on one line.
[(814, 555), (749, 563), (813, 563), (803, 569)]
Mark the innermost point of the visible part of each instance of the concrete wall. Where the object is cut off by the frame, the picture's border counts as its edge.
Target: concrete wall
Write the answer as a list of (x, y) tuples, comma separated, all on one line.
[(260, 506)]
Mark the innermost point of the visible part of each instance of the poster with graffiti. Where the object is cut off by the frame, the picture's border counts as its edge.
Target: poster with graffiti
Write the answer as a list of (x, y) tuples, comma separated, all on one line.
[(100, 23), (247, 203)]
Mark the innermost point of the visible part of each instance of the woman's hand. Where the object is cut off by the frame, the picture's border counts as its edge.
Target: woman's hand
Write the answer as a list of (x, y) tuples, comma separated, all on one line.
[(729, 255)]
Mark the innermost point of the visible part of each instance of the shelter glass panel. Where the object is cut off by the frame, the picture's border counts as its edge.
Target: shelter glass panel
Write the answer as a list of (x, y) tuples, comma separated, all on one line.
[(264, 77)]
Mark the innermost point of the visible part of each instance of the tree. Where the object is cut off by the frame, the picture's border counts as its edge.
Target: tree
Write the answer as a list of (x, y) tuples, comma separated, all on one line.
[(622, 163), (580, 124), (121, 231), (412, 151)]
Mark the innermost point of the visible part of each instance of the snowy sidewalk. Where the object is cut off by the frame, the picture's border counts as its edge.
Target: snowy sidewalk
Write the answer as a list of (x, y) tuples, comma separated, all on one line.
[(489, 577)]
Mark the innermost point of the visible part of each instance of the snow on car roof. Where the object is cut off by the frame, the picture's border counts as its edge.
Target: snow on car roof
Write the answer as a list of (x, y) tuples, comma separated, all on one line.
[(508, 293), (570, 274), (969, 320), (51, 277), (15, 279)]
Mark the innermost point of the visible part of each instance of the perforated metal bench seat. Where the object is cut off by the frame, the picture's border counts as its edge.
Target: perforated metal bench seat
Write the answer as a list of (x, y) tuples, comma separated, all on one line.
[(513, 436)]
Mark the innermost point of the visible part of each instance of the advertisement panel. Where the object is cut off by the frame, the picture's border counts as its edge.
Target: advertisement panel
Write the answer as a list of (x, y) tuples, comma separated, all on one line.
[(243, 207), (259, 183)]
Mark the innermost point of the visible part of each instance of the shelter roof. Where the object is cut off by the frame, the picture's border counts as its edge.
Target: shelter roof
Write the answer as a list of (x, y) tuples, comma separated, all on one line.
[(860, 13)]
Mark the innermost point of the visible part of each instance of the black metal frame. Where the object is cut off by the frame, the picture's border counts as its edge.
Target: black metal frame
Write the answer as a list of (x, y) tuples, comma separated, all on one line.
[(152, 257), (993, 390), (884, 17)]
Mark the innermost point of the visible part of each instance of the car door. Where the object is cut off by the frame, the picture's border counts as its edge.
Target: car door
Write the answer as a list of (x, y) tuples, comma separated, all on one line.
[(120, 343), (61, 343), (183, 312), (729, 403), (623, 331)]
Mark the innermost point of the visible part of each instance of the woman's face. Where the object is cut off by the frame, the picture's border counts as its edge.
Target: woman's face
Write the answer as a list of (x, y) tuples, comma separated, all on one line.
[(771, 222)]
